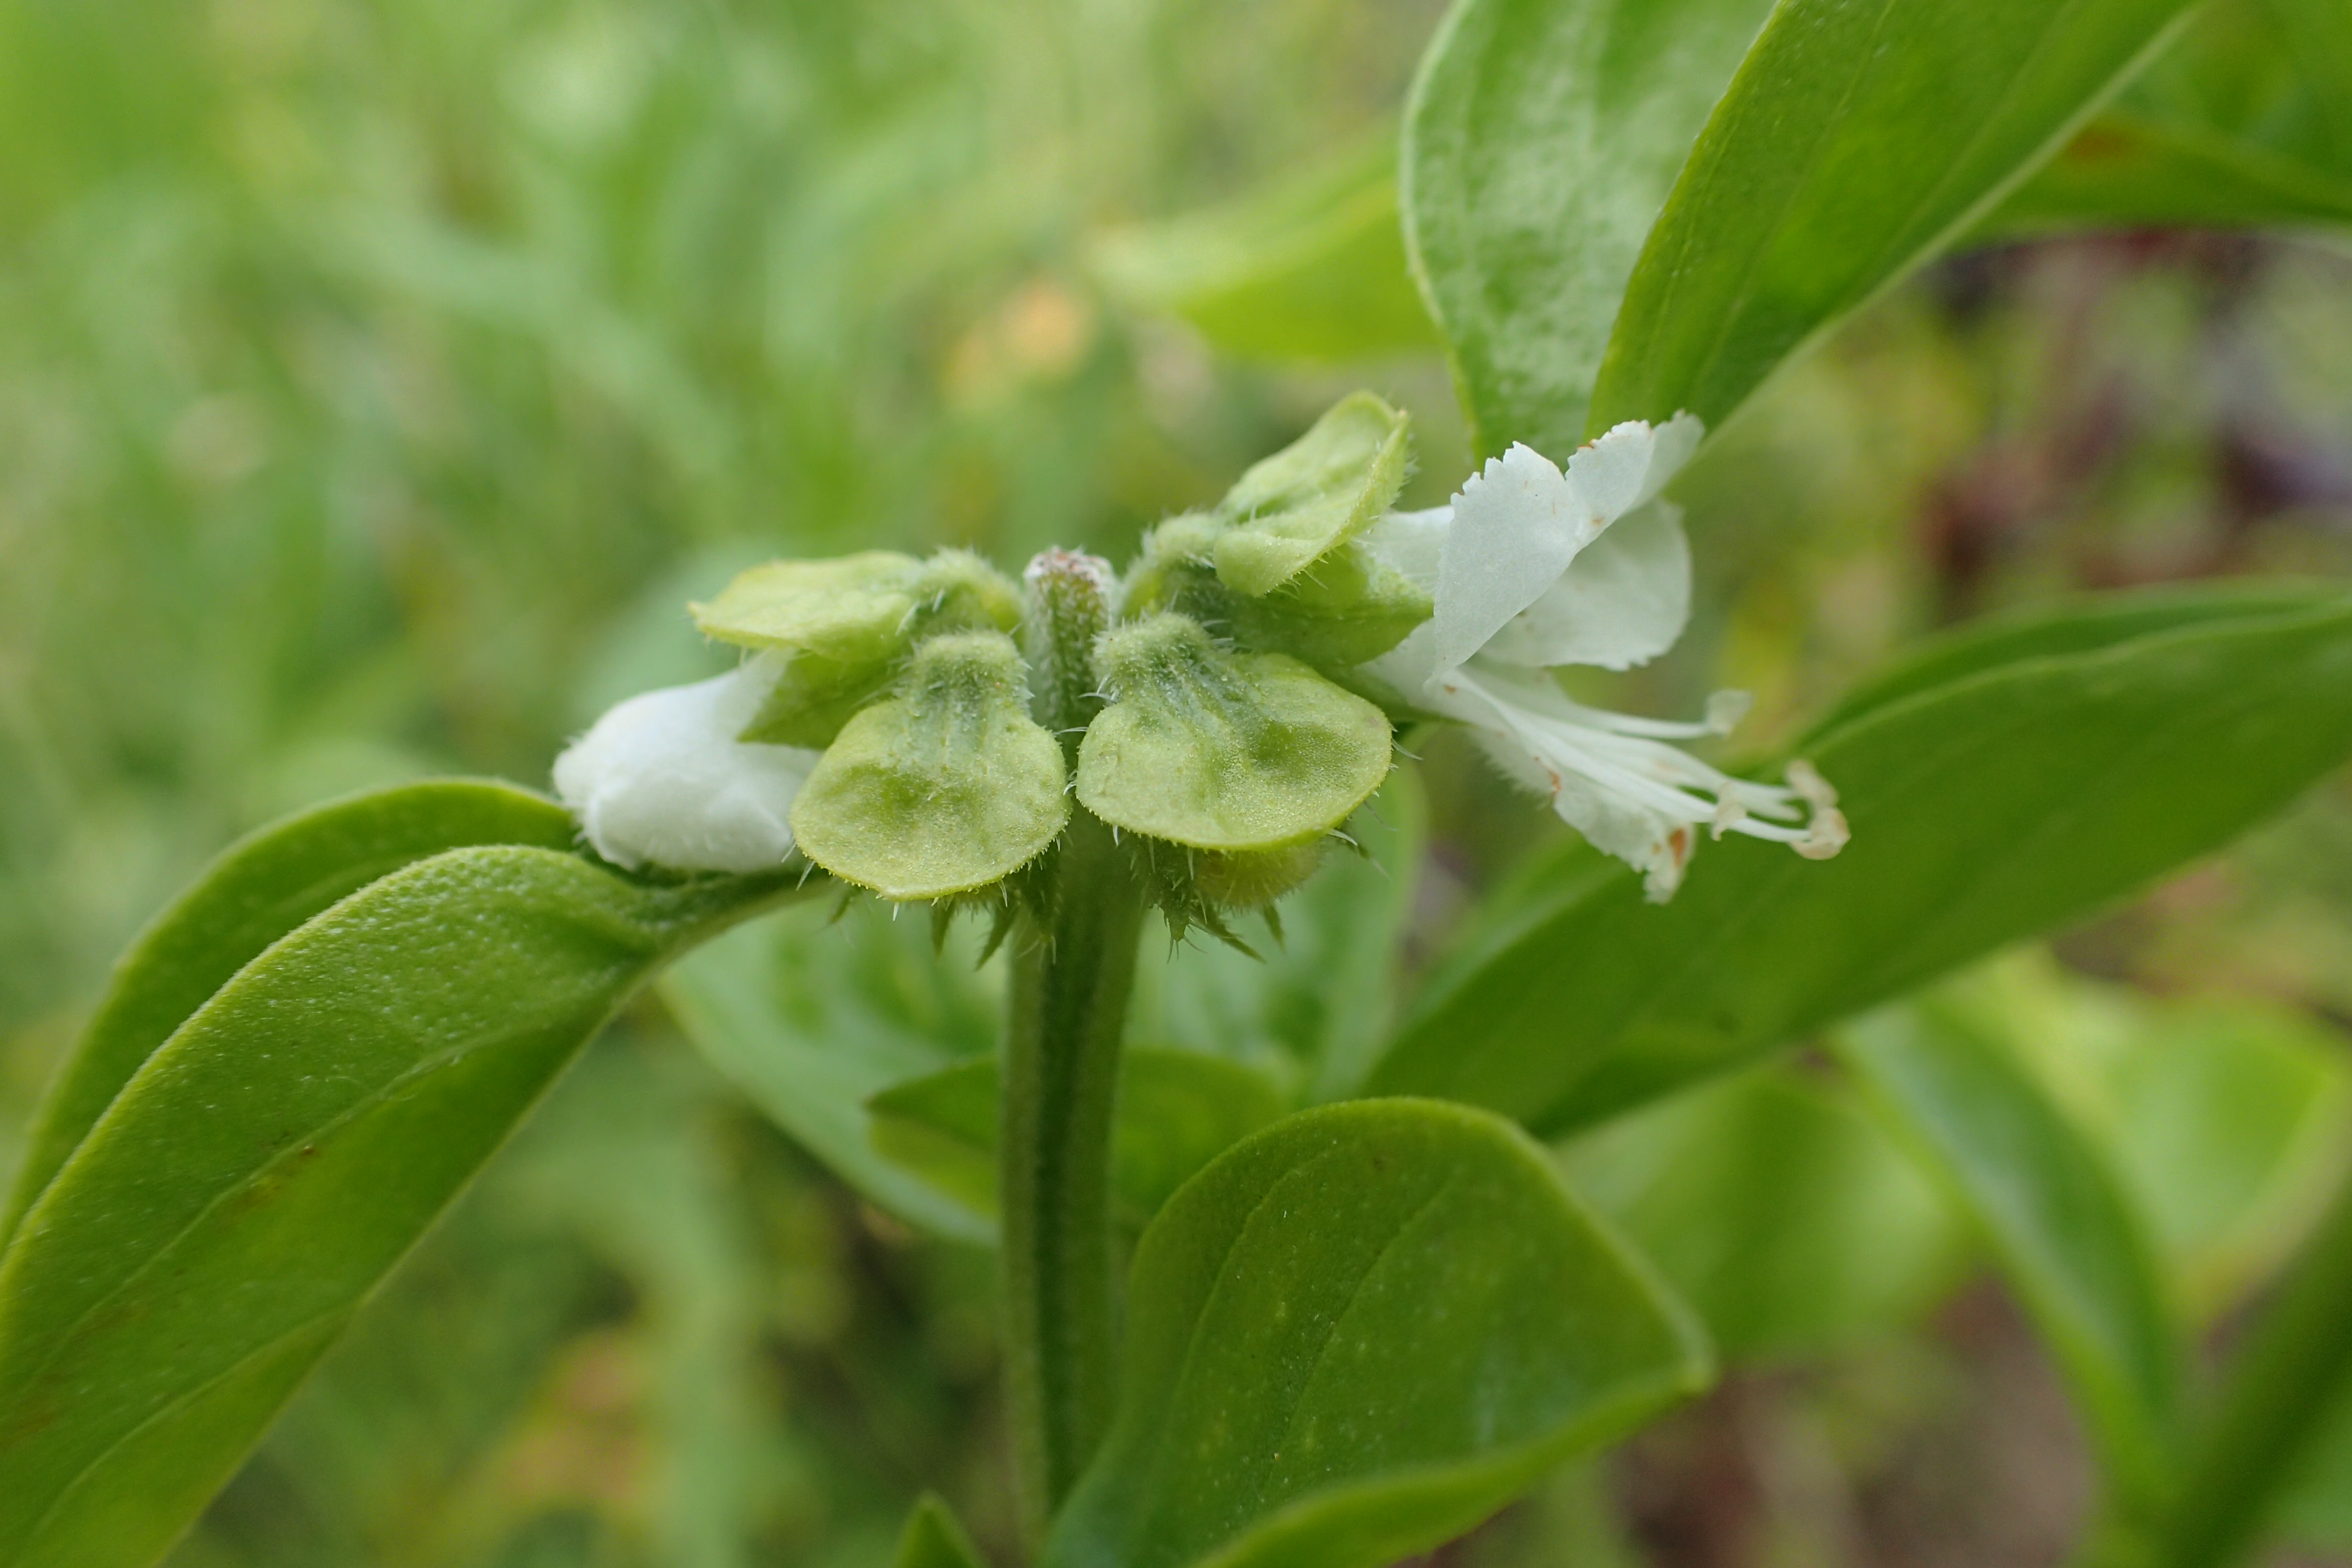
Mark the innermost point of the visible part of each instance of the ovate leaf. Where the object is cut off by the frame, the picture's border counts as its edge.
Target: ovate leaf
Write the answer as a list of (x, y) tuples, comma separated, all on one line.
[(1542, 141), (1355, 1335), (261, 888), (1857, 139), (2003, 802), (268, 1166), (2055, 1216)]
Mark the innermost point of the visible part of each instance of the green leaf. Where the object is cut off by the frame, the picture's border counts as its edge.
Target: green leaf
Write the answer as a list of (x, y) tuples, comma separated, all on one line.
[(2056, 1218), (1357, 1334), (1542, 141), (2225, 1119), (2003, 802), (2245, 121), (272, 1160), (1783, 1214), (1857, 141), (811, 1018), (2084, 623), (1310, 269), (258, 890), (2317, 38), (2315, 1502), (1177, 1112), (934, 1539), (2283, 1423), (2126, 171)]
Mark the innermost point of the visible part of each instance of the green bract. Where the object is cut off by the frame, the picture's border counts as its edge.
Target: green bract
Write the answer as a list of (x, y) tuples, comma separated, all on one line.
[(1346, 609), (845, 628), (947, 786), (1313, 496), (1224, 750)]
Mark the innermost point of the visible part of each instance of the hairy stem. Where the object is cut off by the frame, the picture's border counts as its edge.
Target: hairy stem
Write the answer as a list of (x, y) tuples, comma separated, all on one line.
[(1071, 981), (1073, 964)]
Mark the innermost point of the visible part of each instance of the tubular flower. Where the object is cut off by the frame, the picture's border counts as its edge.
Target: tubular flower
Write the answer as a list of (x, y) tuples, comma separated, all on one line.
[(662, 778), (1531, 569)]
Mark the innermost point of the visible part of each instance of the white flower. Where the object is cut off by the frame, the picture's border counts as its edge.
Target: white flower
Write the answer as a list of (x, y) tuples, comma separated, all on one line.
[(662, 778), (1532, 568)]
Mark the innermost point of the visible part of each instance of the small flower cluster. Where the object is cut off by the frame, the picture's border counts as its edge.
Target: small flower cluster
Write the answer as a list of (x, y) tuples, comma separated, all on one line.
[(923, 728)]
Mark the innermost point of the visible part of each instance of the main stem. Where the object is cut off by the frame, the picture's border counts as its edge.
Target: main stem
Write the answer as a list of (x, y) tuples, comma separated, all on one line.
[(1073, 967)]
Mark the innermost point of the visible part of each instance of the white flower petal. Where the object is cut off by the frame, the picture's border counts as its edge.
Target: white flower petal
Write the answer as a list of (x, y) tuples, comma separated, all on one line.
[(1629, 793), (1413, 543), (1517, 526), (1411, 666), (662, 778), (1621, 601), (1631, 463)]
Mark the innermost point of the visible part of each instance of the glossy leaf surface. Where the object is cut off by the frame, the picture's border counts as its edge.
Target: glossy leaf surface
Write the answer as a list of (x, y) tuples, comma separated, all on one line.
[(2056, 1217), (1357, 1334), (1542, 140), (1856, 140), (271, 1162), (2003, 803), (258, 890), (1177, 1112)]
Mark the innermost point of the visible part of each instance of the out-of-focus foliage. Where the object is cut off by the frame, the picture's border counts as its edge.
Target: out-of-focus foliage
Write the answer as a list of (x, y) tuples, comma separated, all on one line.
[(378, 380)]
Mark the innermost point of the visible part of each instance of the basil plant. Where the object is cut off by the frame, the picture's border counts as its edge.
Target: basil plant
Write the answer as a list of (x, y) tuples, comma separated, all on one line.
[(1338, 1319)]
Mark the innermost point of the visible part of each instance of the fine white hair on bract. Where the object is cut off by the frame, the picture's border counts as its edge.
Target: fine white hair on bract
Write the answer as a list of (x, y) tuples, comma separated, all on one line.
[(662, 779)]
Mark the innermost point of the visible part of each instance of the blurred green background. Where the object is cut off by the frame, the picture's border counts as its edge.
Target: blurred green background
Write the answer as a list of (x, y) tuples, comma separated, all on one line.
[(378, 379)]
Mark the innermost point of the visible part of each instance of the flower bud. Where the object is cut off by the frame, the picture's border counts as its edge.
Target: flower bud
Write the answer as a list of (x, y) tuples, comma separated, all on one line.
[(662, 780), (1301, 504), (1224, 750), (844, 627), (945, 786)]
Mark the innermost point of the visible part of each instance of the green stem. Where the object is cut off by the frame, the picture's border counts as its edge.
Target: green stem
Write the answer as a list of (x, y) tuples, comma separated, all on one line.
[(1071, 980), (2294, 1371)]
